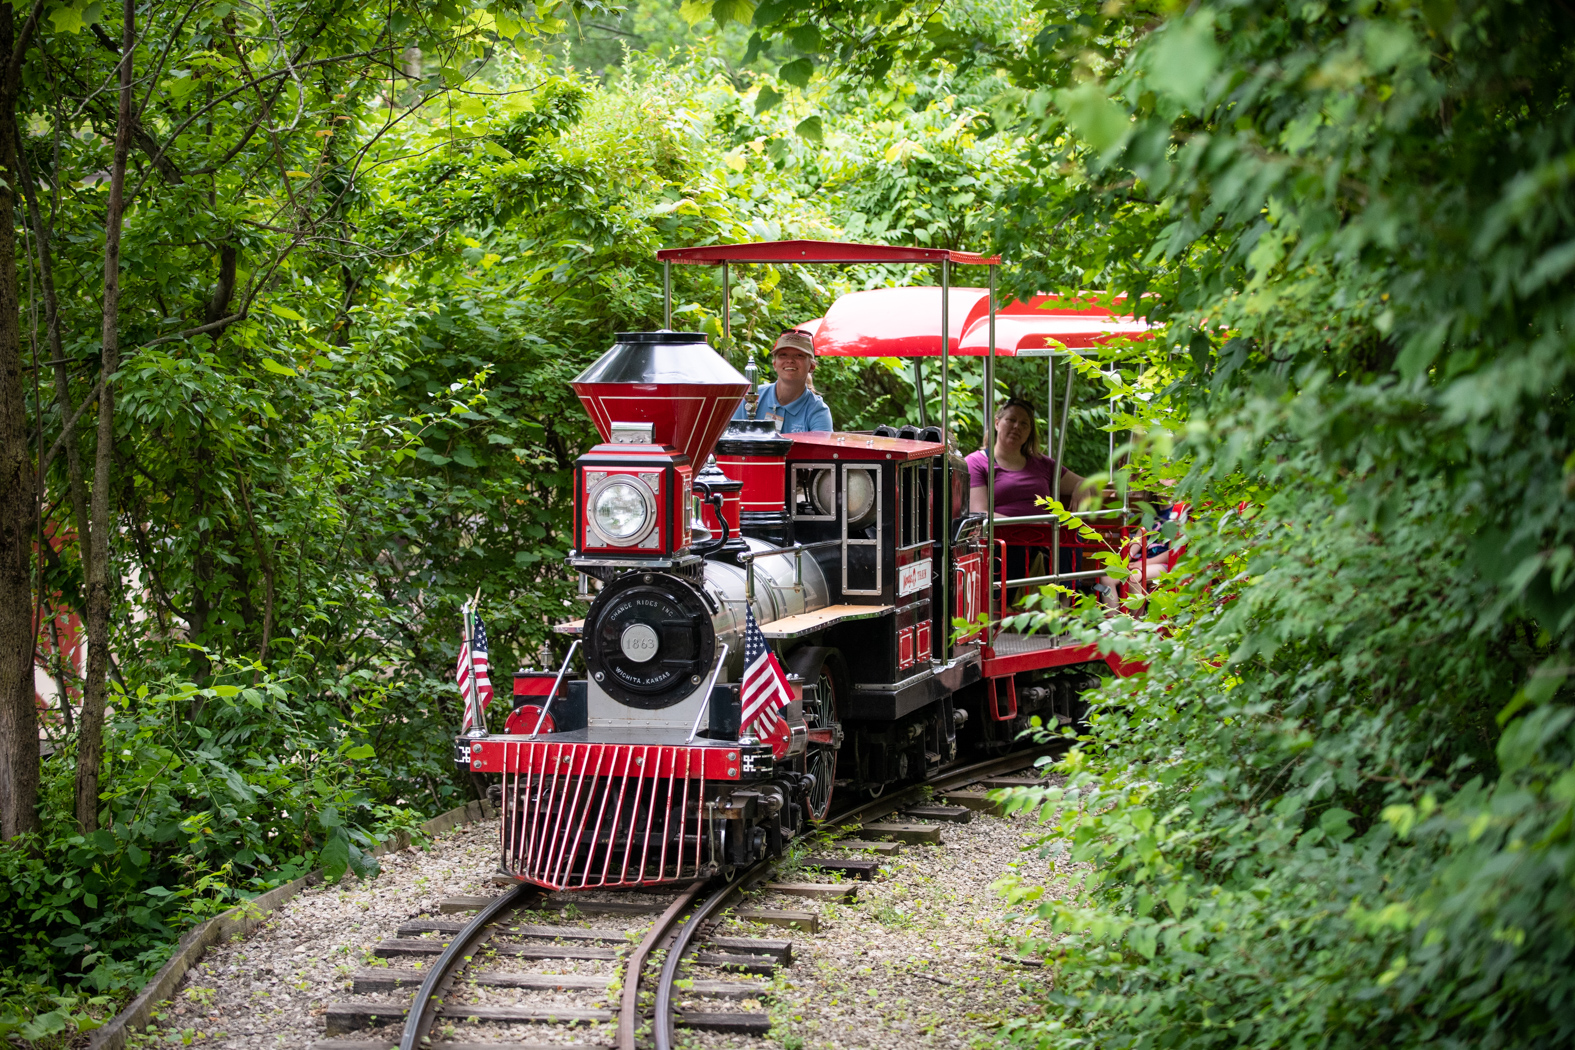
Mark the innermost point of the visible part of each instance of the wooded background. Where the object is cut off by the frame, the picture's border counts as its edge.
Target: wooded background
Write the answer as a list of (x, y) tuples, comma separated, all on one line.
[(290, 295)]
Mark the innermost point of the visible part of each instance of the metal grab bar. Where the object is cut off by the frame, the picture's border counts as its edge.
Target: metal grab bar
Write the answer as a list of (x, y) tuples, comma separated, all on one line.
[(1029, 581), (705, 703), (556, 682), (747, 560), (1045, 519)]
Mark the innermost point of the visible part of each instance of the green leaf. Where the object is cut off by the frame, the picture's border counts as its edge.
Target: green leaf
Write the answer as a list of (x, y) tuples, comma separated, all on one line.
[(363, 751), (493, 149), (694, 11), (810, 128), (797, 72), (269, 364), (1182, 61), (725, 11), (1336, 823), (284, 312), (335, 856), (67, 19), (766, 98), (1098, 121)]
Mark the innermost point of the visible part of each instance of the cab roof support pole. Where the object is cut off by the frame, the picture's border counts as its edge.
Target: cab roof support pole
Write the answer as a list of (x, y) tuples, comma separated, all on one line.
[(989, 488), (944, 620), (918, 386), (727, 312), (667, 295)]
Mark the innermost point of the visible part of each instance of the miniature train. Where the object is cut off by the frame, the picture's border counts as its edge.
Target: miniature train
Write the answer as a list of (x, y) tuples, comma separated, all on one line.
[(855, 561)]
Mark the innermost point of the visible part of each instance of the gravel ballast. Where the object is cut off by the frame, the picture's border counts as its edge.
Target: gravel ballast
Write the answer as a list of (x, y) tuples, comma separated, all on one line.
[(923, 958)]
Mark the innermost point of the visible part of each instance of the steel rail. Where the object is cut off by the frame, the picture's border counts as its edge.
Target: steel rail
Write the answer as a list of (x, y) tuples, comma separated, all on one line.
[(629, 1004), (662, 1023), (424, 1008), (946, 780)]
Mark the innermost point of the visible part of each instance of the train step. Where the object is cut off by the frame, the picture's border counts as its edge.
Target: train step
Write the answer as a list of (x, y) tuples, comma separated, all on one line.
[(755, 1022), (862, 868), (903, 832), (807, 921), (826, 891), (352, 1017)]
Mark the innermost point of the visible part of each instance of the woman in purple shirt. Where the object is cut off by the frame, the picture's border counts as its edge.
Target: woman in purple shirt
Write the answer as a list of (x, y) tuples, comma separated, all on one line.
[(1022, 474)]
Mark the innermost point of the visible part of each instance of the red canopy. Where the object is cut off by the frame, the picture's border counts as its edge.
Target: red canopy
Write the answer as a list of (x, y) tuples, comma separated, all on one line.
[(819, 252), (906, 322)]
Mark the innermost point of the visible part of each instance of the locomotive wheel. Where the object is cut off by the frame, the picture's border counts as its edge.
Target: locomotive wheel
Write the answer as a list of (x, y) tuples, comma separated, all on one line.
[(825, 668)]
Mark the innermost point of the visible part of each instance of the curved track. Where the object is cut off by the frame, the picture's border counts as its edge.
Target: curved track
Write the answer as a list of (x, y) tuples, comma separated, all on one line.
[(676, 929)]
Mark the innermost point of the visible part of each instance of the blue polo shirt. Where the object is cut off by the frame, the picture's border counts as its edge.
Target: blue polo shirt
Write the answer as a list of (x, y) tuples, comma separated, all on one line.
[(807, 412)]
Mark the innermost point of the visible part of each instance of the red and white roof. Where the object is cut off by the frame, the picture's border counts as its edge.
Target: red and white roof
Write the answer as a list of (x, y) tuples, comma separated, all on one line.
[(906, 322)]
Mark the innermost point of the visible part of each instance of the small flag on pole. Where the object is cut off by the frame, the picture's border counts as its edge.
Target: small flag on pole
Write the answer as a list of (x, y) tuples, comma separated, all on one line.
[(471, 674), (765, 690)]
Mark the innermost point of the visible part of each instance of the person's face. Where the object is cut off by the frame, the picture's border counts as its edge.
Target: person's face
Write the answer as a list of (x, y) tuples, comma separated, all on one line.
[(792, 365), (1013, 428)]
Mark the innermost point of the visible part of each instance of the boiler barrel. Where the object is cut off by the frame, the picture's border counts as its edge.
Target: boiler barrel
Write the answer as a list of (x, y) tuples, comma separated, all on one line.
[(776, 595)]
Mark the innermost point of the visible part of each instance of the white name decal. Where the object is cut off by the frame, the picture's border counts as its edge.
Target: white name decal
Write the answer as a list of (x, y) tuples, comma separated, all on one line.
[(915, 576)]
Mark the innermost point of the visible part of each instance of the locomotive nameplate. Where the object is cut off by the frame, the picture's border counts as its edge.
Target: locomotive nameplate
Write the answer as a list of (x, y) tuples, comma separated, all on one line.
[(638, 642), (913, 577)]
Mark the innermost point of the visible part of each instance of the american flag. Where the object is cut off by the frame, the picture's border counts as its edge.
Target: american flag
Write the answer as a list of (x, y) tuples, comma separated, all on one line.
[(765, 691), (471, 673)]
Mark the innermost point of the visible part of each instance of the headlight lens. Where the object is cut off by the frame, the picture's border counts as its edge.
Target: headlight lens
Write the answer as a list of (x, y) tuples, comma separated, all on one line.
[(620, 510)]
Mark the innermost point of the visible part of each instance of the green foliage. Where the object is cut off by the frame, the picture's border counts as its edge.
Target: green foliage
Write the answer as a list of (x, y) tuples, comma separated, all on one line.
[(1337, 810)]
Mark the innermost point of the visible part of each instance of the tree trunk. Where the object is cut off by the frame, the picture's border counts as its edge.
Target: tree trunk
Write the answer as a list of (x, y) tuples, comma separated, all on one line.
[(18, 715), (90, 740)]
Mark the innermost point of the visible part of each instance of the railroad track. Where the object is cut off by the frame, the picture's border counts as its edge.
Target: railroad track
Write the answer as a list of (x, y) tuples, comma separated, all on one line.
[(444, 960)]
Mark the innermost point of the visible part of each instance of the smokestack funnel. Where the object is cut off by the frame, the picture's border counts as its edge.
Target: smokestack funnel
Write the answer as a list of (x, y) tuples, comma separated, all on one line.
[(672, 382)]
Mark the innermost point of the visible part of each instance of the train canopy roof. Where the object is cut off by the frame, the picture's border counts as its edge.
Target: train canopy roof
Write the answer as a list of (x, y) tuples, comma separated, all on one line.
[(906, 322), (819, 252)]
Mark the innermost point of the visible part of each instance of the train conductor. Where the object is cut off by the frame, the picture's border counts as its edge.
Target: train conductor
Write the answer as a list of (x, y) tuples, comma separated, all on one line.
[(789, 400)]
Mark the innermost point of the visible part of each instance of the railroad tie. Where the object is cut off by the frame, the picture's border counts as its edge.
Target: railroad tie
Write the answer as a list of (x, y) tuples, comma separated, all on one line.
[(950, 814), (807, 921), (903, 832), (827, 891), (398, 947), (392, 979), (863, 868), (352, 1017)]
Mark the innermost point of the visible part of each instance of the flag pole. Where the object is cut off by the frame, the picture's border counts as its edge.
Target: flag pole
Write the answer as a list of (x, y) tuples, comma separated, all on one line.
[(478, 725)]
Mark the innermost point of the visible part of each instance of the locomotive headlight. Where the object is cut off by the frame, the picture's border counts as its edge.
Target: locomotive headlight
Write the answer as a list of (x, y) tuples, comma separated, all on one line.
[(622, 508)]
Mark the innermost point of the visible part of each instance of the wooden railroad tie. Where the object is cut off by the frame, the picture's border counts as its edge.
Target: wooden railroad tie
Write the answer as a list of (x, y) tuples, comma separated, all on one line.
[(353, 1017), (861, 868), (978, 801), (903, 832), (885, 849), (950, 814), (807, 921), (827, 891)]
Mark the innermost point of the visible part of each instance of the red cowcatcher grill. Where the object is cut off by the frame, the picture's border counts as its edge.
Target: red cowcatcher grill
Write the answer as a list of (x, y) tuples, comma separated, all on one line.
[(672, 381), (583, 815)]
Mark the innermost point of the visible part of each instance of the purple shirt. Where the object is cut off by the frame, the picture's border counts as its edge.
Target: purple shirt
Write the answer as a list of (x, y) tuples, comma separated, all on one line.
[(1015, 490)]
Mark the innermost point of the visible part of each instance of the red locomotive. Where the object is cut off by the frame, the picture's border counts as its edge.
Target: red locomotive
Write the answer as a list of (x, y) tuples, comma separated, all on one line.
[(855, 552)]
